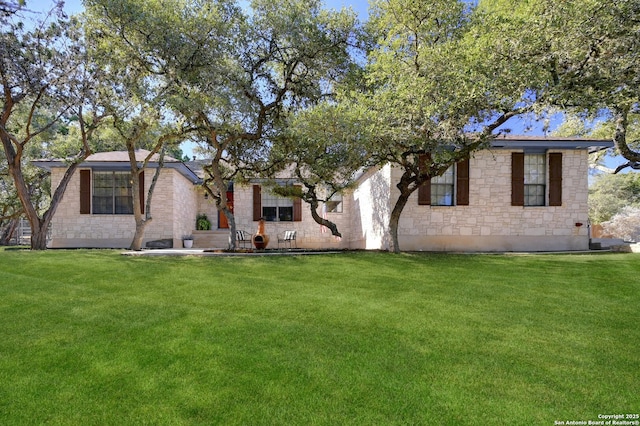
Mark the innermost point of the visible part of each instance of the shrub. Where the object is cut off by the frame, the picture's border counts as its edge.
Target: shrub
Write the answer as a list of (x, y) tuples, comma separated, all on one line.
[(202, 222)]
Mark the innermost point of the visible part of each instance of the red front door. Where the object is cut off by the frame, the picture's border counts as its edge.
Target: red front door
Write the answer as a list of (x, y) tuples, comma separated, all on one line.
[(223, 223)]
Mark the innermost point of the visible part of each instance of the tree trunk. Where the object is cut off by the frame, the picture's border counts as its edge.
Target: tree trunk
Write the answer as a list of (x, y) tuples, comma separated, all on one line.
[(620, 137), (15, 170), (406, 189), (142, 219), (231, 220), (395, 218), (141, 223), (220, 194), (138, 236), (9, 230), (39, 236), (40, 226), (322, 221)]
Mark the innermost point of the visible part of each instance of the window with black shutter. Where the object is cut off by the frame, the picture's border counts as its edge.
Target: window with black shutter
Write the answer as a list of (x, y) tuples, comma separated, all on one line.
[(531, 180), (449, 189), (274, 208)]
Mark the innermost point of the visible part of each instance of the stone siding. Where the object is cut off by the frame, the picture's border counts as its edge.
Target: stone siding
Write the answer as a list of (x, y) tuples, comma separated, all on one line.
[(489, 222), (309, 233), (172, 203)]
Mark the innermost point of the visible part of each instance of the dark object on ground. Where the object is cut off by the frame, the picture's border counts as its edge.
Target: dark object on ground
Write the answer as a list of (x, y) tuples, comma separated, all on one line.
[(160, 244)]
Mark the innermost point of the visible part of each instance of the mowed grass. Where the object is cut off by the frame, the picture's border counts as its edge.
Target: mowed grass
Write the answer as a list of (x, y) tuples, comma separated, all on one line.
[(96, 338)]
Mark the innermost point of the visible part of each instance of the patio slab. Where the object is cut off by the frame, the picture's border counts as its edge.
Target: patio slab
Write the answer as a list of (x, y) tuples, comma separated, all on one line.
[(221, 252)]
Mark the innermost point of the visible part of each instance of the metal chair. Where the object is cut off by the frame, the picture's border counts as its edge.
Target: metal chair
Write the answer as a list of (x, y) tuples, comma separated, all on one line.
[(289, 237), (243, 237)]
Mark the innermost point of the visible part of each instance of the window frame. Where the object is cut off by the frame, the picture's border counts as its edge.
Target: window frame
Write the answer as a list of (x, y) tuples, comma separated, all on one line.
[(115, 205), (284, 206), (535, 179), (437, 183), (461, 183), (553, 178)]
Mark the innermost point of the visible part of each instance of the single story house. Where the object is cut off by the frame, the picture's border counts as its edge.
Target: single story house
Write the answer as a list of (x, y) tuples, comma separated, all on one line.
[(521, 194)]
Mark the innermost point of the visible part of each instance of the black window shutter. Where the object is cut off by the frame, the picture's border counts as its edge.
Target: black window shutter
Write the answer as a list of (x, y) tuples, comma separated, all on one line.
[(141, 190), (555, 179), (257, 202), (424, 191), (85, 191), (517, 179), (462, 184), (297, 208)]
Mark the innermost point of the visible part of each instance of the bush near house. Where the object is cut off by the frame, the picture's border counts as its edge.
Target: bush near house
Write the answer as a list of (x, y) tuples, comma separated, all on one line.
[(350, 338), (202, 222)]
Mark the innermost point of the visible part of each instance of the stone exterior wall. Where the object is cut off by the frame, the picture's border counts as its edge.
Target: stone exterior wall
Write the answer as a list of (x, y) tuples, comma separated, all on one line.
[(173, 202), (368, 227), (309, 233), (208, 207), (490, 223), (184, 206)]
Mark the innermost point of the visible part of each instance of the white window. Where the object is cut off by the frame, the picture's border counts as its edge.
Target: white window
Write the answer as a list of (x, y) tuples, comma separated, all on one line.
[(276, 208), (442, 188), (534, 179), (112, 193)]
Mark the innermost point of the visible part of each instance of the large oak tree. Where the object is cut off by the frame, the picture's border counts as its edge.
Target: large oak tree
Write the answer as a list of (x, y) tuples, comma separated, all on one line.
[(587, 53), (46, 78), (435, 89), (139, 58)]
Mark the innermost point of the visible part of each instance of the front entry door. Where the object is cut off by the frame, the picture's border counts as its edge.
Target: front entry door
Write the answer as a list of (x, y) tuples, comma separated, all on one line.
[(223, 223)]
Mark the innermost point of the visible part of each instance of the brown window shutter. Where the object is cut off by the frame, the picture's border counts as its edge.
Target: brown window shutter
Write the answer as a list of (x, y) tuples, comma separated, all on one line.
[(257, 202), (424, 194), (517, 179), (85, 191), (462, 184), (555, 179), (297, 208), (141, 190), (424, 191)]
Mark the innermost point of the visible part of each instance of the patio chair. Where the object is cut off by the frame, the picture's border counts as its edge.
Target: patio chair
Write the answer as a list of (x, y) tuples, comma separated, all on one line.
[(243, 238), (288, 238)]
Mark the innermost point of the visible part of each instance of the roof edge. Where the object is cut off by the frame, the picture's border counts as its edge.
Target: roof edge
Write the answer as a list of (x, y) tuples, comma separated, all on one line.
[(182, 168)]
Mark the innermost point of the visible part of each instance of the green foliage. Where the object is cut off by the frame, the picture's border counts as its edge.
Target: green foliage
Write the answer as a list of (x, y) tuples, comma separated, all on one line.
[(603, 127), (47, 82), (231, 76), (609, 194), (202, 222), (583, 54), (323, 148), (403, 340), (435, 88)]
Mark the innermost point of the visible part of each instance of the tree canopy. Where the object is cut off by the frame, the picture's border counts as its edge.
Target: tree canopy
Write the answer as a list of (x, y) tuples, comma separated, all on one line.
[(609, 194), (47, 80), (434, 89), (231, 76), (586, 54)]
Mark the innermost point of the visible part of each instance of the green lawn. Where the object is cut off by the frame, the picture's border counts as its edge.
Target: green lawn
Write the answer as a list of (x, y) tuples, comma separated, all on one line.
[(96, 338)]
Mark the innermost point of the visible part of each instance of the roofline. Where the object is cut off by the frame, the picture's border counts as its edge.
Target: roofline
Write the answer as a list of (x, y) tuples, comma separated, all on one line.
[(182, 168), (533, 143)]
